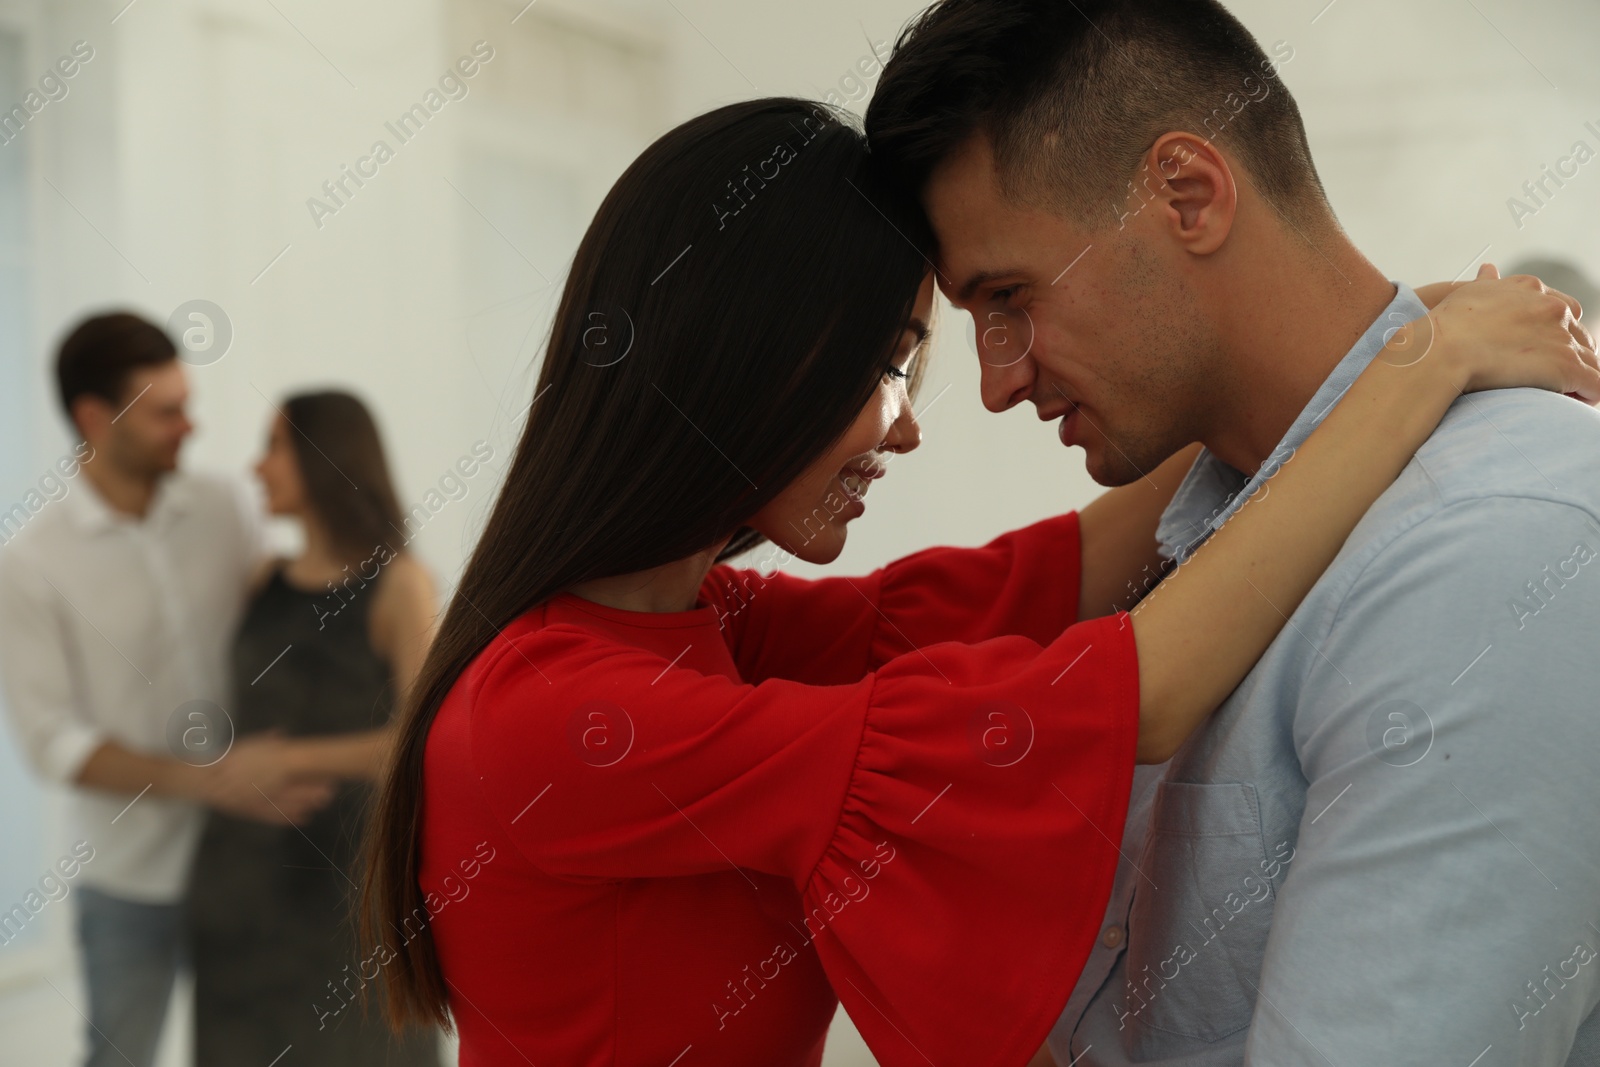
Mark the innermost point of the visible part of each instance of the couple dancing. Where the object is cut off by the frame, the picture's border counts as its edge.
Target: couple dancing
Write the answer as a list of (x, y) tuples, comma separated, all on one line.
[(648, 808)]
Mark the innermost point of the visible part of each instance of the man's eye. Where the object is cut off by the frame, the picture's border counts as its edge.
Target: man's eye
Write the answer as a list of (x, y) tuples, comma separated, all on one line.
[(1003, 295)]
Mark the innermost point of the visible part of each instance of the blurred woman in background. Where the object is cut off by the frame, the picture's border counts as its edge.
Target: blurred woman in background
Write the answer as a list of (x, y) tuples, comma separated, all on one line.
[(329, 639)]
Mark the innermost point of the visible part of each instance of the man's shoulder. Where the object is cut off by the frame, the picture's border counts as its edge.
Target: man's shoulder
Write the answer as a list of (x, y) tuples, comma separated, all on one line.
[(1510, 443), (37, 523), (1503, 468), (39, 528)]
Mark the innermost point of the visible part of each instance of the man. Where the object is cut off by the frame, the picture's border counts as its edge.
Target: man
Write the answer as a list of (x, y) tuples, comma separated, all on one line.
[(117, 605), (1383, 849)]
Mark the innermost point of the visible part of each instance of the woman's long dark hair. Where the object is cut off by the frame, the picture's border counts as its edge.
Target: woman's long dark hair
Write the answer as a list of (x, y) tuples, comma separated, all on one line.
[(344, 473), (729, 312)]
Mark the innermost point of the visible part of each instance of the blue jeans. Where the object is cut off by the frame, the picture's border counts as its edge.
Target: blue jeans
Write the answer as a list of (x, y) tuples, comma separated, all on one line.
[(131, 955)]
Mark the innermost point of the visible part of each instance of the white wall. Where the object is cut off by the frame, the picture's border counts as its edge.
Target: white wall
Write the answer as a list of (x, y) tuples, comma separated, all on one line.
[(180, 164)]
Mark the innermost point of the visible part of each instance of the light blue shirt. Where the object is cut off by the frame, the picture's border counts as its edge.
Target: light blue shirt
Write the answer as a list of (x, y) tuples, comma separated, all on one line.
[(1384, 849)]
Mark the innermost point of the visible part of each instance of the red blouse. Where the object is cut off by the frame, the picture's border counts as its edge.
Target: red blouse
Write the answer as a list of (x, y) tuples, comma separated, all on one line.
[(671, 839)]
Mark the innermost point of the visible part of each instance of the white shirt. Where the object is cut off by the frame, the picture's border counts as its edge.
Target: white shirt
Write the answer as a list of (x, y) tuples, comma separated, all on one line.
[(108, 624)]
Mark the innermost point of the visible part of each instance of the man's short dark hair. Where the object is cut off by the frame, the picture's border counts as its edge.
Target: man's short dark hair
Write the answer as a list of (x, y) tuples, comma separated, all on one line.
[(97, 357), (1072, 93)]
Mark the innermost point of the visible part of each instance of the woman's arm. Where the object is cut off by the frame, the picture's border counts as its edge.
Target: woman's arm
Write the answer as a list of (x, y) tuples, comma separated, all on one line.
[(352, 755), (1118, 536), (404, 616), (1204, 627), (285, 798)]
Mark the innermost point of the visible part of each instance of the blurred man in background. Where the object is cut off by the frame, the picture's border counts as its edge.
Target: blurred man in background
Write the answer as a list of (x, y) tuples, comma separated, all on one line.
[(117, 603)]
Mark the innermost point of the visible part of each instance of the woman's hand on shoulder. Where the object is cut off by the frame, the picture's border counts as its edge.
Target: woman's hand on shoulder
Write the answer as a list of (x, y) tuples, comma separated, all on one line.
[(1501, 333)]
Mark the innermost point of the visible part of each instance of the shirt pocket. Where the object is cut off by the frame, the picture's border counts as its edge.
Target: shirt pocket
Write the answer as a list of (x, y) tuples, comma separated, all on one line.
[(1197, 928)]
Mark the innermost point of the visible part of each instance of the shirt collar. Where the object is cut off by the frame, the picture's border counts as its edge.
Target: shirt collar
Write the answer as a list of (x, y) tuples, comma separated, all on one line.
[(93, 515), (1212, 491)]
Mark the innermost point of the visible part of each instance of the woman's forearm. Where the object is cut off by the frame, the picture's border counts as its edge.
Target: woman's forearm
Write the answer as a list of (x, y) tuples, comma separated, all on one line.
[(1204, 627), (354, 755), (1117, 531)]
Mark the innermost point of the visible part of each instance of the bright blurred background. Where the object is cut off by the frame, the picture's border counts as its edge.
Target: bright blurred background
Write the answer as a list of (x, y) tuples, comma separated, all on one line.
[(179, 163)]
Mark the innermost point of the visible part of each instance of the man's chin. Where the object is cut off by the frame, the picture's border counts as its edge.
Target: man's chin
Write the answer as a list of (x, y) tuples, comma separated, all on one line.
[(157, 466), (1110, 471)]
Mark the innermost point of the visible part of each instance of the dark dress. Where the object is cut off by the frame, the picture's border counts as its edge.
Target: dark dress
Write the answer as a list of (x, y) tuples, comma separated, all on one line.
[(275, 954)]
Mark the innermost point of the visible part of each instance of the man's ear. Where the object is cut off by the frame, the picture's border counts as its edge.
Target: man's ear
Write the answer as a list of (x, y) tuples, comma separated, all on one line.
[(91, 417), (1198, 197)]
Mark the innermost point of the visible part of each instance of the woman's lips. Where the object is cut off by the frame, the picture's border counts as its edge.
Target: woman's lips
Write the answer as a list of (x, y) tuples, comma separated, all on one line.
[(856, 482)]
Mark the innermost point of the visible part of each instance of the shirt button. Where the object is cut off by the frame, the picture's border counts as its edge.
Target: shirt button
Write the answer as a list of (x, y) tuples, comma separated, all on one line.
[(1112, 937)]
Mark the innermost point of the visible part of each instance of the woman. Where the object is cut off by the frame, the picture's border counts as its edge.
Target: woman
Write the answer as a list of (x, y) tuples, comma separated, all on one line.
[(645, 809), (327, 641)]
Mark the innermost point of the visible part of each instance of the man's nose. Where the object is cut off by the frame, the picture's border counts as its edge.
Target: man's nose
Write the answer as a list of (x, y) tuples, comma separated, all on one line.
[(1005, 385)]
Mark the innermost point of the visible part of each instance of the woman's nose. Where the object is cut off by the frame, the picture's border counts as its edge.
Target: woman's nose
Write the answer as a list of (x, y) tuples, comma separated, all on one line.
[(905, 434)]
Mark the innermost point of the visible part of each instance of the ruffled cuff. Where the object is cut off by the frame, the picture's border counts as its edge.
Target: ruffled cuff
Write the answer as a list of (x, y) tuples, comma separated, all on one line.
[(961, 894)]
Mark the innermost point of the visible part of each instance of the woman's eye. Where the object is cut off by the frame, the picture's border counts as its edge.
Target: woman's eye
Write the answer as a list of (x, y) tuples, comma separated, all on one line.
[(896, 373)]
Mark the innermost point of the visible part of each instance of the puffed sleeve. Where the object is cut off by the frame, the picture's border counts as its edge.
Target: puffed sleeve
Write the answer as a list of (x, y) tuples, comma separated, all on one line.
[(833, 630), (948, 819)]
